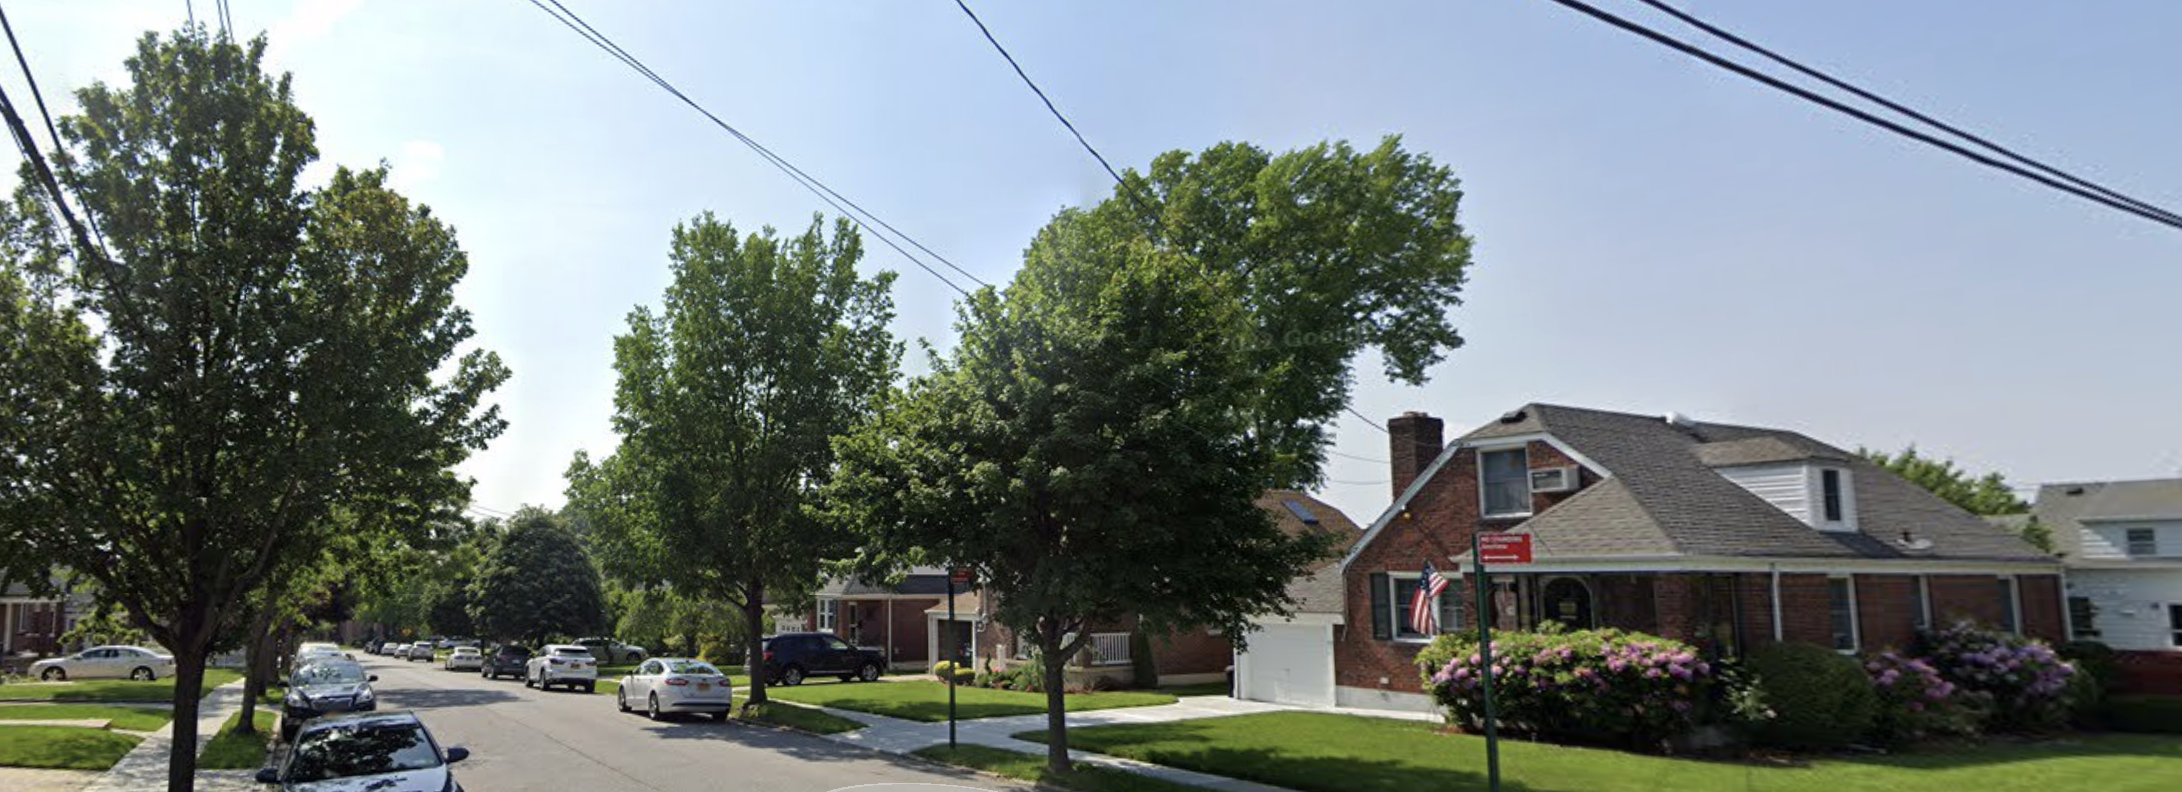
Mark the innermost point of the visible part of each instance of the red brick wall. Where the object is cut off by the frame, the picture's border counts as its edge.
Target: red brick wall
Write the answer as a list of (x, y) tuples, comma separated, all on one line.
[(1958, 597), (1806, 609), (864, 622), (1885, 611), (2043, 604), (1192, 652)]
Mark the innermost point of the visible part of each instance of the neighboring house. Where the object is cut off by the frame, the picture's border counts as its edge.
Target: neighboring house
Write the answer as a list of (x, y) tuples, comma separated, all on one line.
[(2122, 543), (1290, 659), (1728, 537), (889, 620), (32, 624), (1188, 656)]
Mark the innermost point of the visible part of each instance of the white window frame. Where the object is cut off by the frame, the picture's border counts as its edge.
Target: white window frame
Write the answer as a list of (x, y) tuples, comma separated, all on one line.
[(1921, 620), (2011, 606), (2085, 627), (2174, 623), (1484, 500), (1399, 629), (1845, 494), (2129, 542), (829, 612), (1856, 627)]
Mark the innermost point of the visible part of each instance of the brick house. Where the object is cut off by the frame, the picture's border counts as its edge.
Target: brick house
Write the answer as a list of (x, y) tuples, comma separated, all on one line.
[(2122, 544), (889, 620), (1729, 537)]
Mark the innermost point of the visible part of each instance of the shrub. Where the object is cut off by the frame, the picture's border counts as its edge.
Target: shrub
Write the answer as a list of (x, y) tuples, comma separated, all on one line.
[(2098, 677), (1821, 698), (2148, 714), (1590, 685), (954, 674), (1914, 701), (2024, 680)]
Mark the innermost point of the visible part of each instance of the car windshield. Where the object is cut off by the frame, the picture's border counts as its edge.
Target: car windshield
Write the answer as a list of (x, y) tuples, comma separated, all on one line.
[(517, 651), (571, 651), (691, 667), (329, 674), (464, 650), (342, 752)]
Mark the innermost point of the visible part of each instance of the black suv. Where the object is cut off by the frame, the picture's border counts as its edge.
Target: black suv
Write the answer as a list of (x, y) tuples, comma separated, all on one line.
[(505, 660), (791, 657)]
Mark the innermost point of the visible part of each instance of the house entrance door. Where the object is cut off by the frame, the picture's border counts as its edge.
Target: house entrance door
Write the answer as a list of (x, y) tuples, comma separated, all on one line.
[(1566, 600)]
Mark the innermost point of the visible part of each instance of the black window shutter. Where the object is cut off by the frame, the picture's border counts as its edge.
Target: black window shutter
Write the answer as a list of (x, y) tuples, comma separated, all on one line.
[(1382, 611), (1451, 609)]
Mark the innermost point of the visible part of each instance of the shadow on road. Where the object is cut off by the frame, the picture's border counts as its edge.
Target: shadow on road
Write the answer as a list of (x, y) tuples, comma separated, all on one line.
[(435, 698), (804, 746)]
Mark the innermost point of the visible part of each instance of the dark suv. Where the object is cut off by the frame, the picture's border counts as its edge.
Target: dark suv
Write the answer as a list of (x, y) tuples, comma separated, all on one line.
[(505, 660), (791, 657)]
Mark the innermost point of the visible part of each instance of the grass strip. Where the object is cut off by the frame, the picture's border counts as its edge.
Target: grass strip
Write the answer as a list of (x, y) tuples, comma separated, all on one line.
[(112, 689), (63, 747), (800, 718), (1026, 767), (130, 718), (927, 701), (232, 750)]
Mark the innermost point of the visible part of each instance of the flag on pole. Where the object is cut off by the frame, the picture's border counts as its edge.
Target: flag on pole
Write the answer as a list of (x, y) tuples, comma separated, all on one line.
[(1423, 610)]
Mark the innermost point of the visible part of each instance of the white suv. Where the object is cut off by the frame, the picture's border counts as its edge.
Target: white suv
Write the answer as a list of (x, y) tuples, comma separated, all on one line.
[(562, 664)]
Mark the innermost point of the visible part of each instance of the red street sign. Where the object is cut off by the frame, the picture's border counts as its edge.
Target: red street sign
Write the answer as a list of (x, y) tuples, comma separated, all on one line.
[(961, 576), (1503, 548)]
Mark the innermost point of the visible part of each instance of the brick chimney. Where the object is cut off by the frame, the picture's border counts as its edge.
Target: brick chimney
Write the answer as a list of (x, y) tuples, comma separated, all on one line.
[(1413, 442)]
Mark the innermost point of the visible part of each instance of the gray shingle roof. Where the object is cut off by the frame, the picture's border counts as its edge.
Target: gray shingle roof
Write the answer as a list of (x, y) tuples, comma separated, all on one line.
[(920, 582), (1320, 590), (2061, 508), (1666, 498)]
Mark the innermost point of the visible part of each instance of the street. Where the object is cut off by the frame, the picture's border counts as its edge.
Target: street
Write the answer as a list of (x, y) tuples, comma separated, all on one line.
[(524, 739)]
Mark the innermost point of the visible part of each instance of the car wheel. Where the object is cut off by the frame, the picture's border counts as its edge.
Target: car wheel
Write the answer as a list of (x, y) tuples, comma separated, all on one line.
[(722, 715), (621, 699), (142, 674), (54, 675), (528, 680), (651, 708), (869, 673), (792, 677), (590, 687)]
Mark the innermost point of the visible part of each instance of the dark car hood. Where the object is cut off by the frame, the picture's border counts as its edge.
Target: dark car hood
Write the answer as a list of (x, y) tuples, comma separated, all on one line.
[(430, 779), (341, 690)]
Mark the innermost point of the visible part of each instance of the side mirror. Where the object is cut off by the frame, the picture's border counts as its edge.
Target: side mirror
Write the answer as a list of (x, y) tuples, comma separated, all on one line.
[(372, 678), (268, 776), (457, 754)]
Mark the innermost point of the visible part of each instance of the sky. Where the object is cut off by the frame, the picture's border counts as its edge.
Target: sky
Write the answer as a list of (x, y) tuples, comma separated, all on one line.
[(1652, 234)]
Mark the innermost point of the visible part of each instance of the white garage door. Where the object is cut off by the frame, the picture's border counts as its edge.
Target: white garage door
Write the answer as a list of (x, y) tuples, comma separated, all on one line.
[(1289, 664)]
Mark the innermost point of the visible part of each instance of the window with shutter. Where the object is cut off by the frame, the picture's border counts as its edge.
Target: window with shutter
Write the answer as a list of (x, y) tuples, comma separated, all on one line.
[(1382, 611)]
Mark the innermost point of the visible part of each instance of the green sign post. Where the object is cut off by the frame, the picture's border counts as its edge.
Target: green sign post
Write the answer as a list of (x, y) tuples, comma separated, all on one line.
[(1485, 665)]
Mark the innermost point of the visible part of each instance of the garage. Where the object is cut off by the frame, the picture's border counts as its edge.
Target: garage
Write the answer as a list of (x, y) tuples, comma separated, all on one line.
[(1288, 663)]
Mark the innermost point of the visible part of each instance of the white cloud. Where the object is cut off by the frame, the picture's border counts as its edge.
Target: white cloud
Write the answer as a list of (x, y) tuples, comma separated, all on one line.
[(307, 22), (417, 165)]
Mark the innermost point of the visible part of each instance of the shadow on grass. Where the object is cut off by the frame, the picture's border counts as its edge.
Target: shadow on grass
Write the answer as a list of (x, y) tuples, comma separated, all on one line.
[(2004, 750), (1187, 745)]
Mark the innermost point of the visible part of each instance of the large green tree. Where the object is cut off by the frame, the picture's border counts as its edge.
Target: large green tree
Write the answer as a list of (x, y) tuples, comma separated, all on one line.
[(727, 402), (1332, 251), (537, 582), (1087, 450), (190, 405), (1984, 495)]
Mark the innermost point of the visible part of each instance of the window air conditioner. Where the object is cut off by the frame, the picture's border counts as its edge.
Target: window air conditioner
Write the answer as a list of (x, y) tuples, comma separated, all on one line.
[(1560, 479)]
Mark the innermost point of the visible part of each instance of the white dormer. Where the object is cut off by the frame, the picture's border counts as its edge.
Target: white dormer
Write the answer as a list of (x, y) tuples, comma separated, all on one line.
[(1822, 495)]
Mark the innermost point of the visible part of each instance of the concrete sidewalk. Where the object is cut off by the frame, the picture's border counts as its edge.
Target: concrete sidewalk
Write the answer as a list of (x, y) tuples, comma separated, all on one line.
[(145, 768)]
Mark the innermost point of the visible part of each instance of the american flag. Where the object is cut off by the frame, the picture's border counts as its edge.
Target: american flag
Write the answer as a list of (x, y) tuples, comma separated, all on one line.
[(1423, 617)]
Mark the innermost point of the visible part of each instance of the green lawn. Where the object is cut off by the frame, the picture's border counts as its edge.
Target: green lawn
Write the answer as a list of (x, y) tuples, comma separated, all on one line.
[(63, 747), (1319, 752), (231, 751), (803, 718), (130, 718), (1033, 768), (111, 689), (927, 701)]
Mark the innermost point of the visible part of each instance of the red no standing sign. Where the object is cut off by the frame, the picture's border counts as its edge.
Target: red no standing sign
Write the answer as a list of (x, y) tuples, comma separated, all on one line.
[(1503, 548)]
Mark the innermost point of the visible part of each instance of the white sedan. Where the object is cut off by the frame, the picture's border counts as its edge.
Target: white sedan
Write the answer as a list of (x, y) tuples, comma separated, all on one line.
[(133, 662), (665, 685), (464, 658)]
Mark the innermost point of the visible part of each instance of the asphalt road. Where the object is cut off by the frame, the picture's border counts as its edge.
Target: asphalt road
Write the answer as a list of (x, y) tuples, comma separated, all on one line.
[(524, 739)]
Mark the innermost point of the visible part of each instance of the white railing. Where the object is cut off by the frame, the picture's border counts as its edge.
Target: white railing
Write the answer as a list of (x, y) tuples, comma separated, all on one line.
[(1109, 649)]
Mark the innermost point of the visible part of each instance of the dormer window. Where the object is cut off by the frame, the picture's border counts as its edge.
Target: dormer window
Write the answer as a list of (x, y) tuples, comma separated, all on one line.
[(1505, 477), (1830, 487), (1821, 497)]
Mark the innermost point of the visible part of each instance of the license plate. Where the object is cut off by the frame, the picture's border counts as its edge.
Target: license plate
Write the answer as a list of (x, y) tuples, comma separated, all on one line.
[(704, 686)]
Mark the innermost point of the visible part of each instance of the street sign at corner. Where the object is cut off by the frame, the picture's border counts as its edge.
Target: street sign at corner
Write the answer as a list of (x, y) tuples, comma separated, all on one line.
[(961, 576), (1495, 548)]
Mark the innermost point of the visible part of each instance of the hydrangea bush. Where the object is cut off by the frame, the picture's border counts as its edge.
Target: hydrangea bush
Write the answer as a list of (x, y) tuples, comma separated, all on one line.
[(1592, 685), (1915, 701), (2022, 680)]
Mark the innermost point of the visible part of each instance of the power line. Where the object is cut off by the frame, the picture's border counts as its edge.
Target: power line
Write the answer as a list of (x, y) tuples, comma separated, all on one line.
[(52, 131), (818, 188), (1356, 457), (191, 6), (1367, 419), (1036, 90), (2160, 217), (1889, 104)]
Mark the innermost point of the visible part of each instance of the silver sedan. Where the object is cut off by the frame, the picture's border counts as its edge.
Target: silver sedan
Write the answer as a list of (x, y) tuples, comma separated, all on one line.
[(115, 662), (667, 685)]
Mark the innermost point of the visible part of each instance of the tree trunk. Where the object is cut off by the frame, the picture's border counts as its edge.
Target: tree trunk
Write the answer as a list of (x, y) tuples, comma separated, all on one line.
[(753, 620), (189, 676), (258, 666), (1049, 650)]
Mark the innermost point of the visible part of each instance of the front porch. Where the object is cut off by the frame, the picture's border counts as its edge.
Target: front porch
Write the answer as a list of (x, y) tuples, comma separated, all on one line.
[(1718, 612)]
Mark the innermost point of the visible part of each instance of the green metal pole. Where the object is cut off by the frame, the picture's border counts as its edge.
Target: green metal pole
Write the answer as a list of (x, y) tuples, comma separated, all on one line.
[(1485, 667), (951, 675)]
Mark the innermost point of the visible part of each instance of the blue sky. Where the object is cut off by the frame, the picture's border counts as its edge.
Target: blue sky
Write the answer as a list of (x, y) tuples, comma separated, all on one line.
[(1652, 234)]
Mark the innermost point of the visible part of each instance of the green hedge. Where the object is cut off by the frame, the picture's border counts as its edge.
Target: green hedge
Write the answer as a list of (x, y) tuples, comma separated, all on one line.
[(1820, 698)]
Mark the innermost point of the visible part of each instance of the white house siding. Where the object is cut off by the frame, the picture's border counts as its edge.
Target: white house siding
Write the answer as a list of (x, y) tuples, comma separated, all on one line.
[(2110, 540), (2131, 605), (1787, 487)]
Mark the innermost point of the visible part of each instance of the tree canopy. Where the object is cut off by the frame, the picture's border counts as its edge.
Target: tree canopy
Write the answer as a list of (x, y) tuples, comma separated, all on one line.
[(187, 406), (536, 582), (1984, 495), (727, 402)]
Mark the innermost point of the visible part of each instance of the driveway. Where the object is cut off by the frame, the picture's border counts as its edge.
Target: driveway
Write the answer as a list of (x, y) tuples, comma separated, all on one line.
[(521, 738)]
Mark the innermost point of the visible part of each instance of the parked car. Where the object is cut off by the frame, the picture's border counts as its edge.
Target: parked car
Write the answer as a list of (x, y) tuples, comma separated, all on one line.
[(506, 660), (464, 658), (562, 664), (792, 657), (325, 687), (383, 752), (421, 650), (667, 685), (612, 652), (112, 662), (397, 650), (308, 653)]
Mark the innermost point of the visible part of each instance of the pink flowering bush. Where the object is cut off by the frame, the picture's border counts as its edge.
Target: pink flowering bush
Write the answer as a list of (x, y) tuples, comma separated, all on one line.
[(2022, 680), (1590, 686), (1915, 701)]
